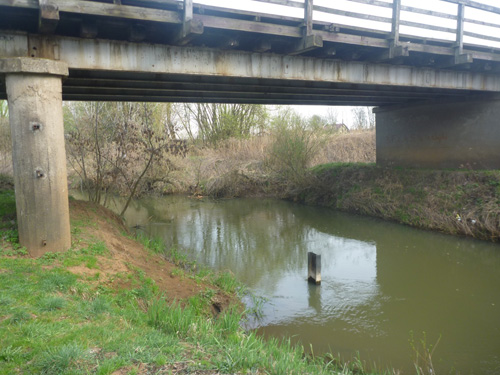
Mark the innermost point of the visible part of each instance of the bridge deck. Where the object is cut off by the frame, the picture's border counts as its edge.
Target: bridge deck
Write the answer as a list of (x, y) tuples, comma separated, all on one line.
[(376, 66)]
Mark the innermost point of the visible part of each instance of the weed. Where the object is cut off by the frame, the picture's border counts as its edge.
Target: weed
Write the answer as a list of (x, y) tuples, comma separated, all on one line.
[(10, 353), (255, 305), (57, 360), (97, 248), (226, 281), (57, 281), (49, 257), (98, 306), (228, 322), (16, 250), (175, 256), (423, 353), (156, 245), (19, 316), (11, 235), (6, 301), (171, 319), (52, 303)]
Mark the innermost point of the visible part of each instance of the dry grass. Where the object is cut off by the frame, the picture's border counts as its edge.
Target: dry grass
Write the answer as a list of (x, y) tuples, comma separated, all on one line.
[(353, 147), (455, 202), (237, 167), (234, 168)]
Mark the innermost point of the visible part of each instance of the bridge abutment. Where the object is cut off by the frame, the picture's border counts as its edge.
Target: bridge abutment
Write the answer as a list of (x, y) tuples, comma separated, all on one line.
[(448, 134), (34, 94)]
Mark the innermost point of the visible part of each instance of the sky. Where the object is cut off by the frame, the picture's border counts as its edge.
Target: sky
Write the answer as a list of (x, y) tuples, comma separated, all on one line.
[(346, 5)]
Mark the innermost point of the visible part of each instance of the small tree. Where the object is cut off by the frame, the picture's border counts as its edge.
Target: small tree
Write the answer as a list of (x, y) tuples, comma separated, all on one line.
[(112, 146), (217, 122), (293, 147)]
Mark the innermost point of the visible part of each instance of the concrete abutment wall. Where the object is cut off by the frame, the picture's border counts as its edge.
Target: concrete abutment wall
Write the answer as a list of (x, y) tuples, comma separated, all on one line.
[(34, 93), (460, 134)]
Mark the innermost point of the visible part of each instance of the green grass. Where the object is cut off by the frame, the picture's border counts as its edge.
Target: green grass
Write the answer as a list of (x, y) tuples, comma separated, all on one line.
[(54, 322)]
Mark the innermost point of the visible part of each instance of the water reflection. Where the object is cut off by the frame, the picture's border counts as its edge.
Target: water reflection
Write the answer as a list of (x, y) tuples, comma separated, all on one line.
[(380, 281)]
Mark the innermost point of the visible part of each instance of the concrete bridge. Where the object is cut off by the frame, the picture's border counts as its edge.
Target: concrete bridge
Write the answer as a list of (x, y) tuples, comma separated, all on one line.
[(437, 96)]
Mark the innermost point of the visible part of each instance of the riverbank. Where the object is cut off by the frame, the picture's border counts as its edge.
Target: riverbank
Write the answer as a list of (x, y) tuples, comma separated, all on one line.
[(113, 305), (459, 202)]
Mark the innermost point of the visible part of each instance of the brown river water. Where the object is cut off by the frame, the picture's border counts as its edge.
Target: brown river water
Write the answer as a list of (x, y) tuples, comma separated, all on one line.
[(385, 287)]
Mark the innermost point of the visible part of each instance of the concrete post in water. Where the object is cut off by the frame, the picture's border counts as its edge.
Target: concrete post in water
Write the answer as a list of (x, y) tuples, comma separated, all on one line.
[(34, 94), (314, 267)]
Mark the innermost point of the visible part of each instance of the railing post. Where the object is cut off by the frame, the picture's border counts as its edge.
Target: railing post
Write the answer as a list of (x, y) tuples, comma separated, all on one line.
[(460, 57), (396, 14), (308, 17), (190, 28), (188, 10), (309, 40), (460, 28), (396, 50)]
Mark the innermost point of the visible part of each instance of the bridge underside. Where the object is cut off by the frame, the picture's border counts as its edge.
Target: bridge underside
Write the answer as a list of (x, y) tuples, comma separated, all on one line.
[(132, 86)]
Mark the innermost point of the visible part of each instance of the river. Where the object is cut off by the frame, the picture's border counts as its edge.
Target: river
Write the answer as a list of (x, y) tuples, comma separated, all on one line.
[(385, 287)]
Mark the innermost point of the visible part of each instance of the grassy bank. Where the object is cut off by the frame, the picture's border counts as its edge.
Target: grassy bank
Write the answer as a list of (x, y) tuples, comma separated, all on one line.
[(450, 201), (111, 305)]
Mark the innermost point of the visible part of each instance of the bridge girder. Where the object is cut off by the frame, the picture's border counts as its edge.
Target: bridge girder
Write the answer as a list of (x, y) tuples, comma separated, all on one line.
[(153, 72)]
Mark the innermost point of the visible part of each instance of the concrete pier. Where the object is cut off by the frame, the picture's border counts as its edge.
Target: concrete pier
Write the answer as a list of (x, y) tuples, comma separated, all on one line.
[(446, 134), (34, 92)]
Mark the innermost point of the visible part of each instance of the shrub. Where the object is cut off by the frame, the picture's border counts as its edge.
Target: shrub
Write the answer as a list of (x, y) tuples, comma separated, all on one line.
[(292, 149)]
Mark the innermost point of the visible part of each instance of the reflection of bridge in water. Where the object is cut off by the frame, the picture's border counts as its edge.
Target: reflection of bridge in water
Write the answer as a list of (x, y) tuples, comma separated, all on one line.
[(437, 96)]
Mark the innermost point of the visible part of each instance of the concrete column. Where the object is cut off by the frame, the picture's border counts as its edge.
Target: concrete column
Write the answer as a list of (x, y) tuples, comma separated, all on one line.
[(448, 134), (34, 94)]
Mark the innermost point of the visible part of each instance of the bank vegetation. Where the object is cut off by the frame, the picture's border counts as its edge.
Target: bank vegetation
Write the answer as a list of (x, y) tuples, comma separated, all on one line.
[(228, 151)]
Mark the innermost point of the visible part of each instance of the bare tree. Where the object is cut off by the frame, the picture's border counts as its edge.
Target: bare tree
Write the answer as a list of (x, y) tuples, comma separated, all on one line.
[(332, 116), (211, 123), (363, 118), (112, 146)]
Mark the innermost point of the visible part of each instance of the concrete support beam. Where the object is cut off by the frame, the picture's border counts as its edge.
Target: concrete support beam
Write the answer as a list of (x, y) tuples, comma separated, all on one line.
[(458, 134), (34, 93)]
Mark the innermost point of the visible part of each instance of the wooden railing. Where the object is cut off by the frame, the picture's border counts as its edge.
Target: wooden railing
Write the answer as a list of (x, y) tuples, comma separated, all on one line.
[(464, 30), (400, 22)]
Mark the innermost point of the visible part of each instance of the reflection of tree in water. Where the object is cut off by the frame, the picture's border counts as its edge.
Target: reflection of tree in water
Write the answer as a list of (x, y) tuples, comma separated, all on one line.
[(252, 238)]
